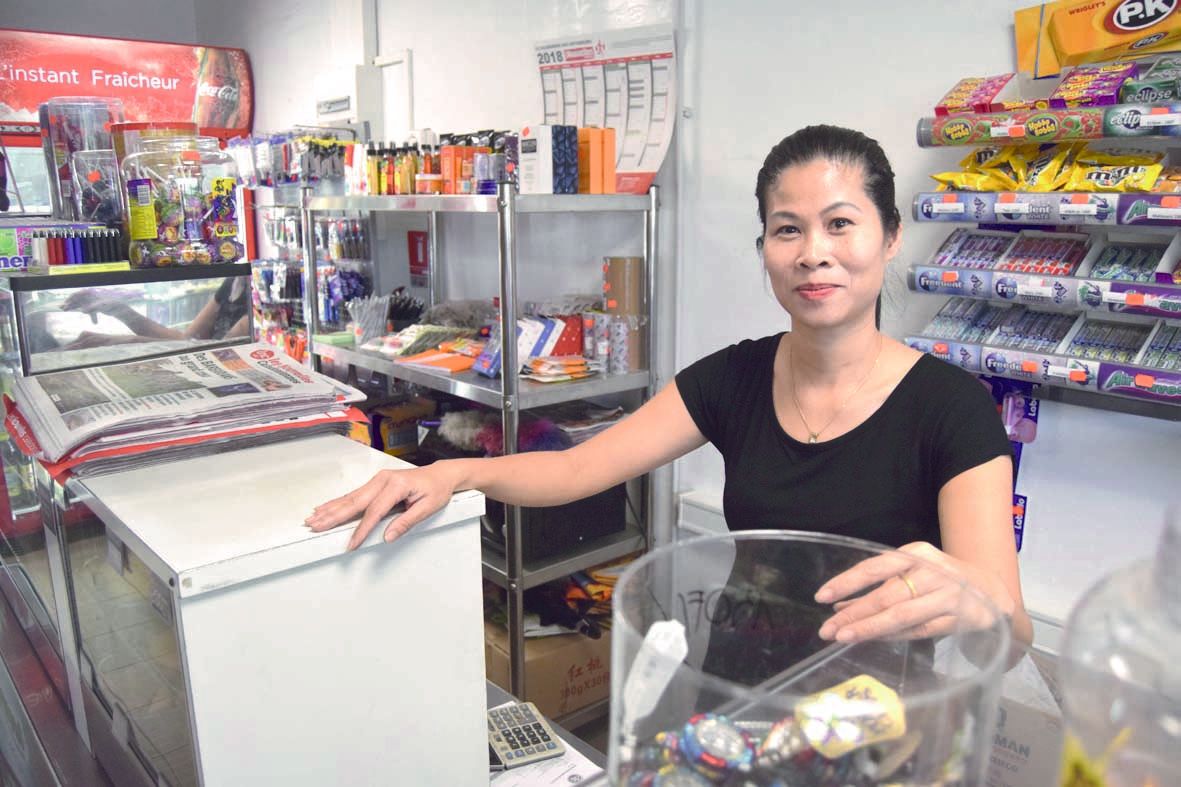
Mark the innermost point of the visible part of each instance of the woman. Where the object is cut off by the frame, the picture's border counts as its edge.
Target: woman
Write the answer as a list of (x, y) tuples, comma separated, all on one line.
[(833, 426), (224, 316)]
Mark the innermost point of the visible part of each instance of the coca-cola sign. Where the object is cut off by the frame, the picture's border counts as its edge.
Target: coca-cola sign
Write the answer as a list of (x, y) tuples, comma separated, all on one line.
[(212, 86)]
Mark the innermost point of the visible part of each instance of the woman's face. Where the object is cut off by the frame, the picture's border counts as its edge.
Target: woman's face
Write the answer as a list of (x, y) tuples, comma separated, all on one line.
[(824, 246)]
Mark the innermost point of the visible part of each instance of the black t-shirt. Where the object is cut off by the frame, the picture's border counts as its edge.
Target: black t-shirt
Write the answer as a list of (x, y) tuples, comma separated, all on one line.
[(232, 303), (880, 481)]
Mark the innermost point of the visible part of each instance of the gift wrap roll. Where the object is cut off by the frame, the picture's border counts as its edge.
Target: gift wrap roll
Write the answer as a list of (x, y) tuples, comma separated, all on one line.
[(624, 297), (623, 285), (627, 344)]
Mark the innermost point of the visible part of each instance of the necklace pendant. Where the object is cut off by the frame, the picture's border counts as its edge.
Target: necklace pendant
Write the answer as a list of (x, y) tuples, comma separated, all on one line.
[(812, 437)]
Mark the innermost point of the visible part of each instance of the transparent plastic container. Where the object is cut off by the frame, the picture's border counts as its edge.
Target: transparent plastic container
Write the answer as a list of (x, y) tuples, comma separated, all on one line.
[(1120, 678), (181, 203), (73, 124), (719, 675)]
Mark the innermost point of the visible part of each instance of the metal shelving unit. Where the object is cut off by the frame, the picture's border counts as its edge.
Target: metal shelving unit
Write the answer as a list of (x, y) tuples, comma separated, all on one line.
[(477, 388), (591, 553), (509, 394)]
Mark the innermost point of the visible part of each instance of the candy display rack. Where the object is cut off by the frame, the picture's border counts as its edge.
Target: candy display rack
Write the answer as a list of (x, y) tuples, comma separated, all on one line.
[(1054, 207)]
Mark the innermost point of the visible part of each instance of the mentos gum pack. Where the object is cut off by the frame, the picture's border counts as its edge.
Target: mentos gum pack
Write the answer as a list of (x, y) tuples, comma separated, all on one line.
[(1091, 31)]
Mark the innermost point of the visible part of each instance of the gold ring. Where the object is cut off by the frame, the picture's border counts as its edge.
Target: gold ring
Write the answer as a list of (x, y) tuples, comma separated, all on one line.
[(914, 593)]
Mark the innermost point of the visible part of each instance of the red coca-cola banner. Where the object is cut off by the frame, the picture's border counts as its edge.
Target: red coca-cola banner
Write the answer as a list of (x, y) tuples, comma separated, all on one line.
[(155, 81)]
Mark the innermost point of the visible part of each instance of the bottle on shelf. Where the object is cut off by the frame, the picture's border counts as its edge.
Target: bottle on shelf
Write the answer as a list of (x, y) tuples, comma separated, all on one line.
[(1120, 678)]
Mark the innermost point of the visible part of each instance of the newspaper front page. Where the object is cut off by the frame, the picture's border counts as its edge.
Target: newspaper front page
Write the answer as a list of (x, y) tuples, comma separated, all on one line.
[(174, 396)]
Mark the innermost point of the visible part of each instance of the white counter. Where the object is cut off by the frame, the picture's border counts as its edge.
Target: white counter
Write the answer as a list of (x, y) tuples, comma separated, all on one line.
[(304, 664)]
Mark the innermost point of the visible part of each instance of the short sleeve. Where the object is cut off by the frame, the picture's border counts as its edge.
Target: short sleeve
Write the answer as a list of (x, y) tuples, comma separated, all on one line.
[(701, 388), (969, 431), (222, 296)]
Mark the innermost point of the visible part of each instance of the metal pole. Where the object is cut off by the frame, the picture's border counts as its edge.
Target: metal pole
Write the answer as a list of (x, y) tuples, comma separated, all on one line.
[(506, 225), (311, 298), (433, 245), (658, 484), (57, 550)]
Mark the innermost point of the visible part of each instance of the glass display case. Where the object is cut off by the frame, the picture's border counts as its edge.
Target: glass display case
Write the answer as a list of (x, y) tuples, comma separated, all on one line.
[(67, 321), (52, 323)]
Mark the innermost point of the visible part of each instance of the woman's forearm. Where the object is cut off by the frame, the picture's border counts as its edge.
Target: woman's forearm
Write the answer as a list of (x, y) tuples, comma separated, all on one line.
[(534, 478), (142, 326)]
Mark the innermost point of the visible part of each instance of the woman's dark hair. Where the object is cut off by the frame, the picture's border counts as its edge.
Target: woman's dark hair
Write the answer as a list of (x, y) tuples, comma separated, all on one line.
[(840, 145)]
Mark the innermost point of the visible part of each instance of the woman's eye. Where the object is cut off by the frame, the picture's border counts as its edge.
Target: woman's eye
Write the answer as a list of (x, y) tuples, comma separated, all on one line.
[(787, 229), (840, 224)]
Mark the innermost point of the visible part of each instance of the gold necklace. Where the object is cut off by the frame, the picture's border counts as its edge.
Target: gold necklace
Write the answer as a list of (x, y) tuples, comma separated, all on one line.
[(814, 436)]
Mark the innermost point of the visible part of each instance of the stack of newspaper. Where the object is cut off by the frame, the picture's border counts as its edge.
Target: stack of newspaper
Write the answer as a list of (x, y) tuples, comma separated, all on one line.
[(131, 414)]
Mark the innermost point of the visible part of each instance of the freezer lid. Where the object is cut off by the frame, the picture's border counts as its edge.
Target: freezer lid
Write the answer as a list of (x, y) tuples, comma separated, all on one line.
[(214, 521)]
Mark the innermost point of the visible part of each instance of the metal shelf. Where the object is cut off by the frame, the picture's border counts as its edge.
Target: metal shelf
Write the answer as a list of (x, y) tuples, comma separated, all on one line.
[(585, 715), (476, 203), (37, 282), (1073, 124), (477, 388), (1101, 296), (590, 553), (1127, 387)]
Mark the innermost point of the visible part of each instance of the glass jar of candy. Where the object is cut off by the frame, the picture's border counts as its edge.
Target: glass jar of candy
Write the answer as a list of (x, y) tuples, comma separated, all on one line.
[(180, 203), (725, 672)]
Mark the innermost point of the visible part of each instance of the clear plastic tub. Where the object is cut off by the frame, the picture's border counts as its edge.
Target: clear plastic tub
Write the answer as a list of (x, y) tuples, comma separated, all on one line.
[(75, 124), (181, 203), (719, 675)]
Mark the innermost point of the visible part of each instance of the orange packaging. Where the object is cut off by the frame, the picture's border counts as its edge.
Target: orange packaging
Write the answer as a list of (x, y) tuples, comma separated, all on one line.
[(608, 161), (451, 167), (1071, 32), (590, 161)]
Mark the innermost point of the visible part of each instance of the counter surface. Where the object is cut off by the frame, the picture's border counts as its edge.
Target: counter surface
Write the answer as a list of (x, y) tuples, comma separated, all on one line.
[(214, 521)]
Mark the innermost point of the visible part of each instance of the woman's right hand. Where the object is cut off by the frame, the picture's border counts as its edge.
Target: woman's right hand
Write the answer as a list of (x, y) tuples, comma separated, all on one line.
[(424, 490)]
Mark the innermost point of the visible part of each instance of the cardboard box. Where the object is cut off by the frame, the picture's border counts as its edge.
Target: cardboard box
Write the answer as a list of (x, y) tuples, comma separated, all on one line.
[(609, 155), (549, 160), (562, 674), (590, 160), (1026, 747)]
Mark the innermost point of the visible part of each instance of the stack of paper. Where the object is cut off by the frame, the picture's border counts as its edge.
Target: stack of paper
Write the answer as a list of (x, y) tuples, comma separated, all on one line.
[(126, 415), (581, 420), (556, 370)]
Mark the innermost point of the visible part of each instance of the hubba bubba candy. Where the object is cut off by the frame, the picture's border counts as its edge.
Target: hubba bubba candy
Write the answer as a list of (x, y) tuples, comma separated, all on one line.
[(714, 747)]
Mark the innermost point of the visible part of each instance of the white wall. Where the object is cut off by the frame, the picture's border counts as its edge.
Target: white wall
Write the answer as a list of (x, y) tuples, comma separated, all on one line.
[(152, 20), (292, 45), (751, 72), (1097, 482)]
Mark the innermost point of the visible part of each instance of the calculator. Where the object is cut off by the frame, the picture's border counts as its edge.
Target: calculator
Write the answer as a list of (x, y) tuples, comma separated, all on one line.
[(519, 735)]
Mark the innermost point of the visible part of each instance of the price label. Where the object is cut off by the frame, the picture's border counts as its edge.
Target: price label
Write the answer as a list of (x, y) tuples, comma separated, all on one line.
[(1035, 290), (1006, 131), (1078, 209), (1158, 212), (1014, 207), (956, 208), (1161, 119)]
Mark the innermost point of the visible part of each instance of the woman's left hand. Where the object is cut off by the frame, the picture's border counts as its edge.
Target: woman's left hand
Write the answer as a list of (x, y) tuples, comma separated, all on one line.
[(913, 600)]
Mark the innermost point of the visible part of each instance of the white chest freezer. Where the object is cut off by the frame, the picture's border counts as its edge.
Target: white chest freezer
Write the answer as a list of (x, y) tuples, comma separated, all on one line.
[(233, 646)]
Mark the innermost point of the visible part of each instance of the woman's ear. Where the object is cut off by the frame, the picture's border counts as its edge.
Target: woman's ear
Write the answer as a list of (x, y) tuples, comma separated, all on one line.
[(895, 245)]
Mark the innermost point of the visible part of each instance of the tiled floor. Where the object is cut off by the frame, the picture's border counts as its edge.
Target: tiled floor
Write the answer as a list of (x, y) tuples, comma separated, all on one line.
[(133, 648)]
